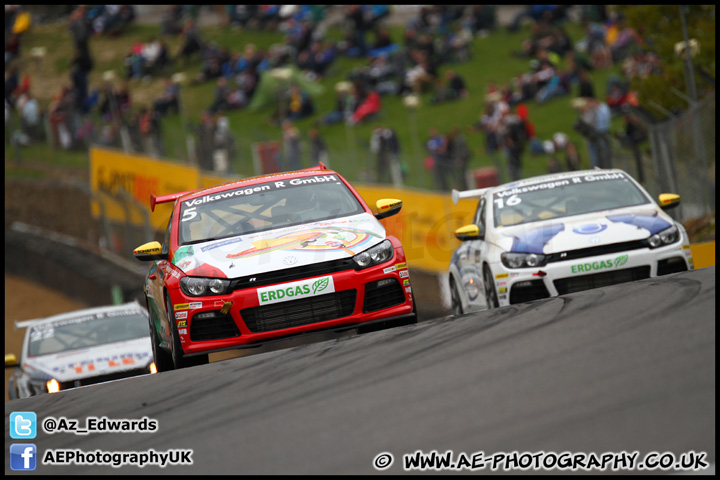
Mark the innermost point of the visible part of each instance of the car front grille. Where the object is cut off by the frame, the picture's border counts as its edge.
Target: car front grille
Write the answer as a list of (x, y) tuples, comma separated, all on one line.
[(212, 326), (383, 294), (528, 291), (594, 251), (671, 265), (290, 274), (295, 313), (103, 378), (597, 280)]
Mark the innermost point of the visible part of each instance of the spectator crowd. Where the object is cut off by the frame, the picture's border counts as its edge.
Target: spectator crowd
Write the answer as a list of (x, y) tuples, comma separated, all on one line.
[(421, 62)]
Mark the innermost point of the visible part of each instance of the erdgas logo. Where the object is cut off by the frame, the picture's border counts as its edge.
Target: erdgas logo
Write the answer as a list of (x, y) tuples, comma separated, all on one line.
[(295, 290), (621, 260), (320, 285), (600, 265)]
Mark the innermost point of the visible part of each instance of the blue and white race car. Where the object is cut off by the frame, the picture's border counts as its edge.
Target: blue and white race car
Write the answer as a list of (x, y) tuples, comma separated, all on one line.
[(562, 233)]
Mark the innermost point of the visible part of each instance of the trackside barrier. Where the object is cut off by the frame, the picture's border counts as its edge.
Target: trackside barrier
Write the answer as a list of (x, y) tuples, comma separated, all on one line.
[(703, 254), (114, 171), (425, 225)]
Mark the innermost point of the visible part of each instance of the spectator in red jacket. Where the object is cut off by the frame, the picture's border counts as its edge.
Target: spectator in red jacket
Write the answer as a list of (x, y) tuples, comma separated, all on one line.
[(370, 106)]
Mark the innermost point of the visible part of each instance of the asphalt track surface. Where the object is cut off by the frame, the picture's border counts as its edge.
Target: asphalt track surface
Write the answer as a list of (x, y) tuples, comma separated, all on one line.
[(622, 368)]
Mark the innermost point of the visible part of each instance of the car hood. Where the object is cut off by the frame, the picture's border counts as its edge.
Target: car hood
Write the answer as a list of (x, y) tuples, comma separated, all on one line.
[(95, 361), (584, 231), (281, 248)]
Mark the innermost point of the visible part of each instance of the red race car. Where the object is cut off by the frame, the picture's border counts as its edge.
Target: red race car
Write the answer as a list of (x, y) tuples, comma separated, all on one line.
[(270, 257)]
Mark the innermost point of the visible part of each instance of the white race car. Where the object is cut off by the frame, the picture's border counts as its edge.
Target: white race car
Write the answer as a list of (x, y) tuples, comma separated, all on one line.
[(81, 348), (556, 234)]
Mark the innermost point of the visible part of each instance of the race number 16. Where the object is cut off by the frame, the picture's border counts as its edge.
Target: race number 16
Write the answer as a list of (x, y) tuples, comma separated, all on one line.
[(511, 201)]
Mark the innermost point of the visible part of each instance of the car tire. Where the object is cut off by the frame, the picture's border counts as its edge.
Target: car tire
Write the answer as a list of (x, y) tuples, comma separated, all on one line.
[(414, 319), (163, 360), (490, 293), (457, 307), (178, 358)]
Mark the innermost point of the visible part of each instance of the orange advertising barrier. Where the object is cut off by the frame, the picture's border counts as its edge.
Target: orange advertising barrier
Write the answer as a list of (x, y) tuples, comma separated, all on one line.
[(114, 171), (703, 254), (425, 225)]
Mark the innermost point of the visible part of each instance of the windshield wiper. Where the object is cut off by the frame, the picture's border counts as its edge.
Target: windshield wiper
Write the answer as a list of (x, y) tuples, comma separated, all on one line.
[(211, 239)]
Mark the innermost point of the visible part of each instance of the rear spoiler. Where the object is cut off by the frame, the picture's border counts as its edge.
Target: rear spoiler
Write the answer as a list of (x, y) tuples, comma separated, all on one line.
[(154, 200), (458, 195), (26, 323)]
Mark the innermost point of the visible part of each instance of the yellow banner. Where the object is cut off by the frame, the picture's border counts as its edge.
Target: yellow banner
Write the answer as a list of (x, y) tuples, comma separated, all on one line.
[(114, 175), (703, 254), (425, 225)]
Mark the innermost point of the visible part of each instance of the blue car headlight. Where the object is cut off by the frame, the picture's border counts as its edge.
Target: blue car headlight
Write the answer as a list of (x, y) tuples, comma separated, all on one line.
[(522, 260), (197, 286), (380, 253)]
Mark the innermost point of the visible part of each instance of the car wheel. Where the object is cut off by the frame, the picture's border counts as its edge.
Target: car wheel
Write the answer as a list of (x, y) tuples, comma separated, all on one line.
[(163, 360), (457, 307), (409, 321), (490, 293), (178, 359)]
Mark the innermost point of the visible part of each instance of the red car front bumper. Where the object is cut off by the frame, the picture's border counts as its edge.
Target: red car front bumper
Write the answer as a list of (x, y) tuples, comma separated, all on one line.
[(374, 294)]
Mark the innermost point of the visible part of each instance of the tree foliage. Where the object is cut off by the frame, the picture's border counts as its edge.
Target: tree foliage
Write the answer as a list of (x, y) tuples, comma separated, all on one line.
[(660, 26)]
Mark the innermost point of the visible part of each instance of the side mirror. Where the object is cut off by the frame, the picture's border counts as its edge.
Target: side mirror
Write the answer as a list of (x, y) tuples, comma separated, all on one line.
[(469, 232), (11, 360), (150, 251), (669, 200), (387, 207)]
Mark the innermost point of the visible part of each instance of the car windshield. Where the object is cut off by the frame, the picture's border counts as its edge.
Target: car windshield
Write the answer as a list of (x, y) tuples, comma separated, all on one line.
[(565, 197), (85, 332), (265, 206)]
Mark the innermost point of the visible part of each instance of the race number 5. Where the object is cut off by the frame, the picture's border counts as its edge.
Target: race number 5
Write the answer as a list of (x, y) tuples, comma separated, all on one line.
[(189, 214)]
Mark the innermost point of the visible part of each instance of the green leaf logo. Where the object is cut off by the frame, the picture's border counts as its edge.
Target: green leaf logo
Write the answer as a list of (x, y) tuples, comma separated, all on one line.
[(621, 260), (321, 284)]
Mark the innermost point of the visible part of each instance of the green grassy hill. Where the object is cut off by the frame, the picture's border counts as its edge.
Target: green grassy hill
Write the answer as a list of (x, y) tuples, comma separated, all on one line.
[(492, 60)]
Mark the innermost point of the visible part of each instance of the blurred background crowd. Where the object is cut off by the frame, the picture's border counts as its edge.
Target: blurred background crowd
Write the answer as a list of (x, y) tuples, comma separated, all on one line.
[(419, 63)]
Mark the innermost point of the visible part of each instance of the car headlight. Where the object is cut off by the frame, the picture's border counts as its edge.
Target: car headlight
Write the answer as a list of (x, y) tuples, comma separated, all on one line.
[(53, 386), (522, 260), (472, 287), (197, 286), (380, 253), (666, 237)]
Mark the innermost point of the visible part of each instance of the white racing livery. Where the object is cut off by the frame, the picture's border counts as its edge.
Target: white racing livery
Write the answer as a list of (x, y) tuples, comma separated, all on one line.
[(81, 348), (563, 233), (308, 244)]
